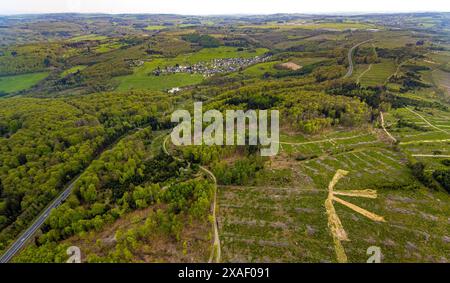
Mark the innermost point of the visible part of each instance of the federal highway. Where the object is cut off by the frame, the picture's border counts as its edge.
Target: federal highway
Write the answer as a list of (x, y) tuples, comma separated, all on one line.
[(22, 240), (30, 231)]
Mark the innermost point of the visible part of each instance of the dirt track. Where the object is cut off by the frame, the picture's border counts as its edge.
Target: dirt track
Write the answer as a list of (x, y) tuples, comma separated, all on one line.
[(384, 128), (216, 250), (334, 223)]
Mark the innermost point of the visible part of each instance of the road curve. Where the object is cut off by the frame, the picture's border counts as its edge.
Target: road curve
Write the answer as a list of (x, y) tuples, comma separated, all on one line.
[(350, 61), (29, 232)]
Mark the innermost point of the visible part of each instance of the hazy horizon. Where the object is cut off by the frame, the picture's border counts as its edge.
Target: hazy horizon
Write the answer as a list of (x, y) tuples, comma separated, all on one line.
[(229, 7), (228, 15)]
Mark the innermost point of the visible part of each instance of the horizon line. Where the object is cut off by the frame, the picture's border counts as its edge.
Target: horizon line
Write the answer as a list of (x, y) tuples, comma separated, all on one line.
[(353, 13)]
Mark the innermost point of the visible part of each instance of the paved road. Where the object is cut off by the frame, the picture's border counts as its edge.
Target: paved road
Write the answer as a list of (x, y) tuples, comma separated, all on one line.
[(350, 61), (22, 240)]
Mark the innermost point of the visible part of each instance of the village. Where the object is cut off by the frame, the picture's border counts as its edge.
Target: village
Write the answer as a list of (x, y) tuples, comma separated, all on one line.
[(213, 67)]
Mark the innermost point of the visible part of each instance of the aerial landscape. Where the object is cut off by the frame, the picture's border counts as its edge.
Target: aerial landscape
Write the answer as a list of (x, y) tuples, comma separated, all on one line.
[(86, 158)]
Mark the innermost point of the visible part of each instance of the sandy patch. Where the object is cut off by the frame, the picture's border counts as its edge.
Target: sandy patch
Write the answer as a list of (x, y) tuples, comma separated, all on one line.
[(290, 66)]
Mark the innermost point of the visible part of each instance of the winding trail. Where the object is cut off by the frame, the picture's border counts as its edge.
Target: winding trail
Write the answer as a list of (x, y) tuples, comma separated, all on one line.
[(425, 141), (331, 140), (426, 121), (396, 71), (216, 250), (384, 128), (363, 73), (398, 68), (368, 68)]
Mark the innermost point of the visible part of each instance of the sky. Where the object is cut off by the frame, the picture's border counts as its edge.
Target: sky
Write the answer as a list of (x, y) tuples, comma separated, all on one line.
[(220, 7)]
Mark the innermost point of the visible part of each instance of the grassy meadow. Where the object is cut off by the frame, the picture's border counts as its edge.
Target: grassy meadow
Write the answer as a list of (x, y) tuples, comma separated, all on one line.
[(10, 84)]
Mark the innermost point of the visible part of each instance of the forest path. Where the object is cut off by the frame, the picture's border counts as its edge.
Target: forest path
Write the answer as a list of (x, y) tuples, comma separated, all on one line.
[(216, 250), (384, 128)]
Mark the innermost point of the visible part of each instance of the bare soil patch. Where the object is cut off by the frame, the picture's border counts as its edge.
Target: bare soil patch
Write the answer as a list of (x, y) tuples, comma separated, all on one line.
[(290, 66)]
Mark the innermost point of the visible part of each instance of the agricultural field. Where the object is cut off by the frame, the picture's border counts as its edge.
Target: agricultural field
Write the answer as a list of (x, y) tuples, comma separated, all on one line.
[(73, 70), (154, 27), (259, 70), (10, 84), (393, 40), (441, 58), (307, 61), (106, 47), (87, 37), (360, 70), (378, 74), (142, 77), (424, 134), (313, 26), (273, 68), (142, 80), (442, 80)]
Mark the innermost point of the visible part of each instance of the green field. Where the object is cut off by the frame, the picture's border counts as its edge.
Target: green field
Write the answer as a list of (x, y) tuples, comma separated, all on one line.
[(425, 140), (313, 26), (73, 70), (258, 70), (359, 70), (393, 40), (378, 74), (140, 80), (442, 58), (442, 80), (304, 61), (10, 84), (106, 47), (155, 27), (142, 77), (88, 37)]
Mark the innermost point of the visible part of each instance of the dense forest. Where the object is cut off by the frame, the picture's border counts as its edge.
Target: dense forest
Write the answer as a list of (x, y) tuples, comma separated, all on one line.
[(45, 143)]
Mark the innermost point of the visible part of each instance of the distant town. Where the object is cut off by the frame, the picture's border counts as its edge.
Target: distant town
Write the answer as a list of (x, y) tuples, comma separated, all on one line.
[(213, 67)]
